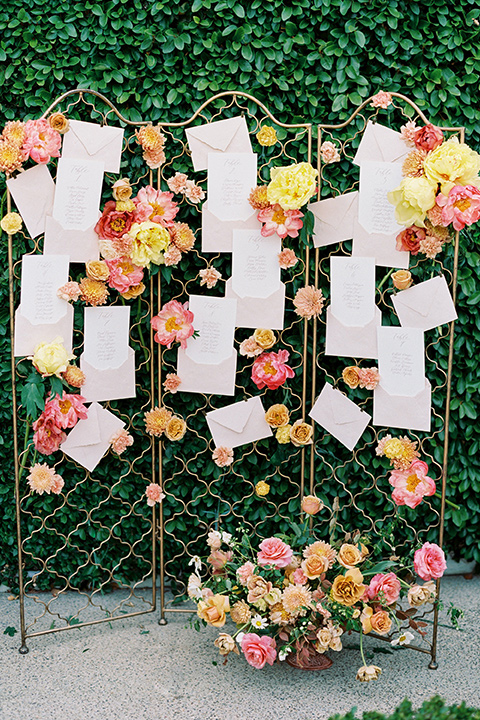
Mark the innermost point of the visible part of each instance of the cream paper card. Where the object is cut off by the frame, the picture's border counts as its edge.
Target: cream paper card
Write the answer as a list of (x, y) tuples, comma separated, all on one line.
[(381, 143), (231, 177), (90, 141), (352, 298), (77, 194), (398, 411), (217, 235), (379, 246), (339, 416), (33, 192), (218, 137), (401, 360), (42, 316), (79, 245), (239, 424), (334, 218), (375, 213), (426, 305), (89, 440), (255, 267)]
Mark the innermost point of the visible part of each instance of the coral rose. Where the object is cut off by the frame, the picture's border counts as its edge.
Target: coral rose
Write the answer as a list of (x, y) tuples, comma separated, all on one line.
[(214, 610), (311, 504), (384, 588), (277, 416), (270, 370), (258, 650), (348, 589), (429, 561), (428, 138), (274, 551), (301, 433)]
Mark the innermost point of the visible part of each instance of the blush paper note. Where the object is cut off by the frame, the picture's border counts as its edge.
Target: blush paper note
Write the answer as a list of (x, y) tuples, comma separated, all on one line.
[(334, 218), (231, 177), (209, 362), (42, 316), (239, 424), (383, 248), (382, 144), (77, 194), (218, 137), (375, 213), (107, 360), (426, 305), (89, 440), (90, 141), (398, 411), (79, 245), (401, 360), (339, 416), (217, 235), (33, 192)]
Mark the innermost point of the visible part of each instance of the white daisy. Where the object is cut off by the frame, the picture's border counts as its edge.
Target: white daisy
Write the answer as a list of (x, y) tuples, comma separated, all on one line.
[(258, 622), (404, 639)]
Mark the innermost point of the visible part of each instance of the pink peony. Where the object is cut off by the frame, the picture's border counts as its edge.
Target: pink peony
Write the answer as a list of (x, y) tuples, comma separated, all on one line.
[(67, 410), (274, 551), (69, 291), (428, 138), (385, 588), (461, 207), (209, 277), (159, 206), (47, 436), (172, 383), (41, 142), (368, 378), (258, 650), (173, 324), (411, 485), (429, 561), (120, 441), (244, 572), (123, 274), (172, 255), (193, 192), (177, 183), (287, 259), (382, 99), (282, 222), (154, 494), (113, 224), (270, 370), (409, 239), (222, 456)]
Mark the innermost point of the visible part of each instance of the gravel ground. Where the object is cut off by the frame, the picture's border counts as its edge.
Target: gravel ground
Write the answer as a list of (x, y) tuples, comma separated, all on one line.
[(135, 669)]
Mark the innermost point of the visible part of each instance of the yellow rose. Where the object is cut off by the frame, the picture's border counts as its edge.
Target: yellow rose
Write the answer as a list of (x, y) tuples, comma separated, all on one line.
[(348, 589), (133, 291), (97, 270), (265, 338), (412, 198), (51, 358), (301, 433), (262, 488), (277, 416), (176, 428), (283, 434), (58, 122), (452, 163), (350, 376), (121, 190), (402, 279), (349, 555), (149, 243), (292, 186), (11, 223), (213, 610), (267, 136)]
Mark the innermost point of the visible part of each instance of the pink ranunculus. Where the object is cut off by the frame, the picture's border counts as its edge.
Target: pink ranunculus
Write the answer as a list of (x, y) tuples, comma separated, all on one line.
[(384, 587), (47, 436), (428, 138), (282, 222), (461, 207), (66, 410), (270, 370), (412, 485), (274, 551), (259, 650), (113, 224), (409, 239), (123, 274), (219, 558), (429, 562), (173, 324), (244, 571), (162, 208), (41, 142)]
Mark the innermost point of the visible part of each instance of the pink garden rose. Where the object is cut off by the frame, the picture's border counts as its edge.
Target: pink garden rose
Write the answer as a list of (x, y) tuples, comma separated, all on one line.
[(411, 485), (41, 142), (259, 650), (384, 587), (428, 138), (274, 551), (67, 410), (156, 206), (461, 207), (429, 562), (270, 370), (282, 222), (244, 571), (409, 239), (173, 324), (113, 224), (123, 274)]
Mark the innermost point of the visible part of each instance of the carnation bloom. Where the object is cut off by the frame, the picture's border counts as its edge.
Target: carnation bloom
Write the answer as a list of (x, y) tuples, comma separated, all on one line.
[(384, 588), (461, 207), (209, 276), (329, 152), (156, 206), (452, 163), (382, 99), (270, 370), (193, 192), (156, 421), (93, 292), (66, 410), (430, 246), (120, 441), (177, 183), (173, 324), (412, 198), (267, 136), (47, 436), (11, 223), (258, 650), (43, 479), (112, 223), (368, 378), (250, 348), (69, 291), (11, 156), (154, 494), (292, 186), (308, 302), (274, 551), (245, 571), (123, 274), (408, 131), (150, 241), (172, 383), (283, 222), (222, 456), (152, 141), (429, 561), (41, 142), (287, 259), (172, 255)]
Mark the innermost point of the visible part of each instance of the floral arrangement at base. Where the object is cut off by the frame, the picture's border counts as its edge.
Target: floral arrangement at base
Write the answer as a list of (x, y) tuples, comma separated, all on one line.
[(297, 594)]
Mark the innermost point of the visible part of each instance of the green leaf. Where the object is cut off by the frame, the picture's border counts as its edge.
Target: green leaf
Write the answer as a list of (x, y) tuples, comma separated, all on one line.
[(9, 630)]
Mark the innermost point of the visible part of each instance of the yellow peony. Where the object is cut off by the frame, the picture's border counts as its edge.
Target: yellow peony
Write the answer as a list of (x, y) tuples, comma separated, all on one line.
[(149, 243), (292, 186), (51, 358), (412, 198), (11, 223), (452, 163)]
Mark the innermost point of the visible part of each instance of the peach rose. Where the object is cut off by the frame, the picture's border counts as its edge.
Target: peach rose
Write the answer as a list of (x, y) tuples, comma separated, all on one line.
[(314, 566), (402, 279), (214, 610), (350, 376), (311, 505), (265, 338), (301, 433), (176, 428), (381, 622), (257, 587), (274, 551), (226, 644), (349, 555), (348, 589), (277, 416), (429, 561)]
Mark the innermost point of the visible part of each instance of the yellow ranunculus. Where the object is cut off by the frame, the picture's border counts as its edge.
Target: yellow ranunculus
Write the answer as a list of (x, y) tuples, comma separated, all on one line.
[(283, 434), (412, 198), (452, 163), (149, 243), (292, 186), (267, 136), (11, 223), (51, 358)]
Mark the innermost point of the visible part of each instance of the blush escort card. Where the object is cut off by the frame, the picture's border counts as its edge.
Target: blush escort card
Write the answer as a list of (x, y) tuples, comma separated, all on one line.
[(77, 194), (231, 177), (375, 213)]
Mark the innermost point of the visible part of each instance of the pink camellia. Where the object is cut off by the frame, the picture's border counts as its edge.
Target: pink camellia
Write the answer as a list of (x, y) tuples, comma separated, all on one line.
[(429, 562), (385, 588), (244, 572), (123, 274), (428, 138), (409, 239), (41, 142), (259, 650), (113, 224), (274, 551), (280, 221), (173, 324), (461, 207), (411, 485), (270, 370), (47, 436), (66, 410), (158, 206)]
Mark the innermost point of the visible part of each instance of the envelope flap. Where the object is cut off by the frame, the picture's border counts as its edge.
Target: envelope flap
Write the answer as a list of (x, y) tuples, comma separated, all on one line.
[(341, 408), (217, 135), (419, 301), (93, 137), (234, 417), (86, 432)]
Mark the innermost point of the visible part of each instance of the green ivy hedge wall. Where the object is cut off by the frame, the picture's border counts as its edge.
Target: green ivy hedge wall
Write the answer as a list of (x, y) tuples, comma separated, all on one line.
[(314, 61)]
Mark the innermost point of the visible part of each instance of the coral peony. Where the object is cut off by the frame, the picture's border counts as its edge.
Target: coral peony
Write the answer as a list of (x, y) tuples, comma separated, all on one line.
[(113, 224), (47, 436), (41, 142), (410, 238), (66, 410), (270, 370), (274, 551), (429, 561), (123, 274), (412, 485), (461, 207), (283, 222), (173, 324), (156, 206), (258, 650)]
